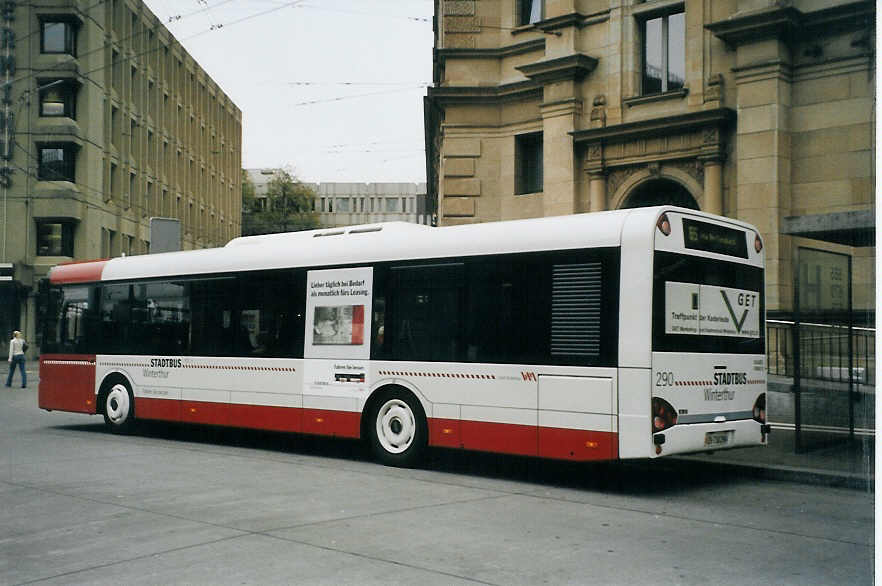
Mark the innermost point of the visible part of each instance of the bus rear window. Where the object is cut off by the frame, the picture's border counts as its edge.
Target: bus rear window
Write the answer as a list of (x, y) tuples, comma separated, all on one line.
[(707, 305), (714, 238)]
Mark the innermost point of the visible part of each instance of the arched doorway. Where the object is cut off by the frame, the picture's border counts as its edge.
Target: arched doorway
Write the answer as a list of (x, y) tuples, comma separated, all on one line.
[(660, 192)]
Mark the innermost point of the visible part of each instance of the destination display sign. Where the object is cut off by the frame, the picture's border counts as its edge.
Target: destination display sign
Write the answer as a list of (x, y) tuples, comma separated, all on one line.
[(714, 238)]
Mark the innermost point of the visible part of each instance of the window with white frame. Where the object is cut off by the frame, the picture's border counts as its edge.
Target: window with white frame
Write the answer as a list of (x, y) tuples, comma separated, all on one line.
[(530, 11), (664, 53)]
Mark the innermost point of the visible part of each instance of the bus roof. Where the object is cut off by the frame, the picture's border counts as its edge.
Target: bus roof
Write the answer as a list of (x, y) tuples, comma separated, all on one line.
[(389, 241)]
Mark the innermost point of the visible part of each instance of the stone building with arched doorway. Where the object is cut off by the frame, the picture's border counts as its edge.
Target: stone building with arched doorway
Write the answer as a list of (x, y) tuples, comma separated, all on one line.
[(756, 109)]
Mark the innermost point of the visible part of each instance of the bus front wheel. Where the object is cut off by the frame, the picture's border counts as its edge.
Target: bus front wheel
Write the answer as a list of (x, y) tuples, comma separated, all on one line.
[(398, 429), (119, 408)]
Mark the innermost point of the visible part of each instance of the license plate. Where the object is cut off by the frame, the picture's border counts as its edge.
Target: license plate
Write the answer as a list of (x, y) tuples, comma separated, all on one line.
[(716, 439)]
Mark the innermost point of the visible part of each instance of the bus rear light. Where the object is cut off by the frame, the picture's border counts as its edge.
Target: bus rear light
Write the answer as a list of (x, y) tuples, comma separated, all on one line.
[(663, 415), (758, 244), (759, 409), (664, 225)]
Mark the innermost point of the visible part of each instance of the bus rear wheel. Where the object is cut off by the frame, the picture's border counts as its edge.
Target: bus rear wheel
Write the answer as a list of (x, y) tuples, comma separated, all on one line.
[(119, 408), (398, 429)]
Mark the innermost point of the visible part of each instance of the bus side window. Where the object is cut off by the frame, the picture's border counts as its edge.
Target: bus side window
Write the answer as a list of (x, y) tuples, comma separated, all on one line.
[(425, 318), (269, 322), (160, 317), (379, 347), (209, 300), (115, 320)]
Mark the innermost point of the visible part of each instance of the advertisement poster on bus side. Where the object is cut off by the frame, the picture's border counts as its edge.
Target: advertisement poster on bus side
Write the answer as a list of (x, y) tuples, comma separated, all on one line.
[(710, 310), (338, 313)]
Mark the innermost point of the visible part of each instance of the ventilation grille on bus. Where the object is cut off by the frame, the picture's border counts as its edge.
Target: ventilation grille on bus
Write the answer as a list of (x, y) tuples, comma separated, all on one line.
[(575, 309)]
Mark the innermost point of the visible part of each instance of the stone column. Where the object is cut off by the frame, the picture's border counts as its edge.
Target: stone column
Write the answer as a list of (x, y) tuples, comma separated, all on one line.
[(597, 191), (713, 185), (559, 119)]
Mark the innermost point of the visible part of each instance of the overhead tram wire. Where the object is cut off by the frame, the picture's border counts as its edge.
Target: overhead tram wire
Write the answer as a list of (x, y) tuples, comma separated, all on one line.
[(85, 75), (33, 175), (341, 98), (84, 11), (292, 4), (208, 7), (80, 185), (359, 83), (211, 20), (144, 30), (421, 19)]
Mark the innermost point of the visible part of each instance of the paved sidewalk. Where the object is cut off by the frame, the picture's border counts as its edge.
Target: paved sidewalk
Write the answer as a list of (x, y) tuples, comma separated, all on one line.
[(832, 460)]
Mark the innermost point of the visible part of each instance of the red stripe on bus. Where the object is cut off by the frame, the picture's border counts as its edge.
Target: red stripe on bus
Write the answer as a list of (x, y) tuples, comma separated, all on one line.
[(333, 423), (205, 413), (444, 433), (77, 272), (503, 438), (546, 442), (577, 444), (270, 418), (67, 383), (162, 409)]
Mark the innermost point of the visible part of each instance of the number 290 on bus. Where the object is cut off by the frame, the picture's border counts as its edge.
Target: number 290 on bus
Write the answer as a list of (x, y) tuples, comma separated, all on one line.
[(634, 333)]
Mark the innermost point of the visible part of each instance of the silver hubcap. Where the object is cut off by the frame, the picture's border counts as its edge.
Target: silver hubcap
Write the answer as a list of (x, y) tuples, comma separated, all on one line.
[(396, 426), (118, 405)]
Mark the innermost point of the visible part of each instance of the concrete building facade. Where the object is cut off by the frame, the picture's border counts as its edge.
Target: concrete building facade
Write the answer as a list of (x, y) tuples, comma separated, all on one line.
[(107, 122), (352, 203), (348, 204), (760, 110)]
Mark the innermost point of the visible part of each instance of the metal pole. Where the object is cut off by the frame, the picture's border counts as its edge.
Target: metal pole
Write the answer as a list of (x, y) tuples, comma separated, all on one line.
[(797, 375), (851, 393)]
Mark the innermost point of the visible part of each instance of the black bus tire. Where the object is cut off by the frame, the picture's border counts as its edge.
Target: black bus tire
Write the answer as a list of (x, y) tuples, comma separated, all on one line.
[(119, 406), (397, 429)]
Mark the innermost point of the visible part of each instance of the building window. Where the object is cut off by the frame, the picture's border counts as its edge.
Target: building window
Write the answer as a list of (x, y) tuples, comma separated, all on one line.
[(392, 204), (664, 54), (57, 37), (57, 98), (56, 163), (530, 11), (528, 163), (55, 238)]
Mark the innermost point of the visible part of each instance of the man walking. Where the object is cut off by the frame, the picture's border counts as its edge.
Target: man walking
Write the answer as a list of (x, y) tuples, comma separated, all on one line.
[(17, 357)]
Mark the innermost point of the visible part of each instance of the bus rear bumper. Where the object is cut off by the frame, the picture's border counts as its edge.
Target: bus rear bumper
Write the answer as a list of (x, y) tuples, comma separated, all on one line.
[(707, 437)]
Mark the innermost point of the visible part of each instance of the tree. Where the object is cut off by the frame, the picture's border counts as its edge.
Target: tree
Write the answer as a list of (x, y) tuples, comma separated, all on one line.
[(288, 206)]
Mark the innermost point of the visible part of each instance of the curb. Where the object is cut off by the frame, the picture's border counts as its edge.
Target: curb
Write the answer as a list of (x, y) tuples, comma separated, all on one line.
[(850, 480)]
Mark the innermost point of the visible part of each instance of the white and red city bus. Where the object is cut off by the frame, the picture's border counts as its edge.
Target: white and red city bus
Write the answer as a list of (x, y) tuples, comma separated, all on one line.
[(626, 334)]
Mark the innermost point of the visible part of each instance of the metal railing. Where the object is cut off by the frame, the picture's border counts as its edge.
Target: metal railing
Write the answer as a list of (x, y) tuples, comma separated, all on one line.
[(824, 351)]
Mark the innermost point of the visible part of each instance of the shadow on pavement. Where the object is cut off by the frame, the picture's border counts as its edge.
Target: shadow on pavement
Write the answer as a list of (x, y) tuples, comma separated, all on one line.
[(632, 477)]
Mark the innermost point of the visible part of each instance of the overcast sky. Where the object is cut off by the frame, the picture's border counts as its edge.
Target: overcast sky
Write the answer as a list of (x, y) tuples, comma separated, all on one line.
[(331, 88)]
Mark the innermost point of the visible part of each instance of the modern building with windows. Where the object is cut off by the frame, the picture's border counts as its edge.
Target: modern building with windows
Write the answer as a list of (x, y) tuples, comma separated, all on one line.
[(760, 110), (107, 122), (351, 203)]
